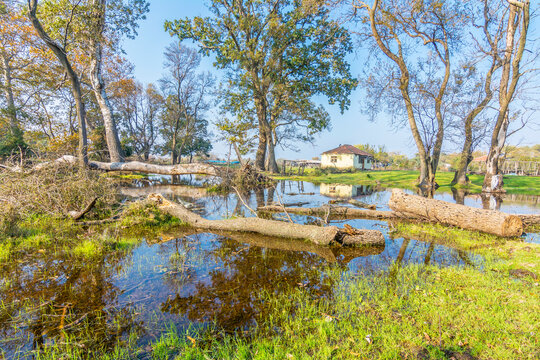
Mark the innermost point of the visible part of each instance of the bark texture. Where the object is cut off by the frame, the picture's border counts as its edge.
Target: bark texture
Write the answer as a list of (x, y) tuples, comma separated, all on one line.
[(488, 221), (315, 234)]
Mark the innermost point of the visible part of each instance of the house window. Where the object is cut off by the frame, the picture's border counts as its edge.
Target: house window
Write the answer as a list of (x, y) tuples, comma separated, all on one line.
[(332, 189), (333, 159)]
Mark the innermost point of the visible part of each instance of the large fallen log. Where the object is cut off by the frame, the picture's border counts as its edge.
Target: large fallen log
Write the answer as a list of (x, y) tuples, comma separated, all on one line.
[(334, 212), (488, 221), (133, 166), (316, 234), (136, 166), (340, 254)]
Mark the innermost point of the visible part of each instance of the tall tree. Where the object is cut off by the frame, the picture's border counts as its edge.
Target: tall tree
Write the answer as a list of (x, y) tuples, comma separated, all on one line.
[(139, 109), (61, 55), (405, 33), (271, 43), (186, 91), (517, 29), (111, 21)]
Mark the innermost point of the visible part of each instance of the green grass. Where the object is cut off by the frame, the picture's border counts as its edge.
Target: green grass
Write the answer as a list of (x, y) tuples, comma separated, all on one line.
[(429, 311), (42, 233), (527, 185)]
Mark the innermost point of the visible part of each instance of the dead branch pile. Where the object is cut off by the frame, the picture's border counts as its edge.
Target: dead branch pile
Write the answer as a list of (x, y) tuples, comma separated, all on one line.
[(245, 178), (60, 190)]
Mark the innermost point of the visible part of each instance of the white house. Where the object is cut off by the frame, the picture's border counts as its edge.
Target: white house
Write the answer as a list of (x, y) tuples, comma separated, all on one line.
[(347, 157)]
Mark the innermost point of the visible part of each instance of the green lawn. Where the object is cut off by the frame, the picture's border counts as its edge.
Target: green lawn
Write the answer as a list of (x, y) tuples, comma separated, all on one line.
[(528, 185)]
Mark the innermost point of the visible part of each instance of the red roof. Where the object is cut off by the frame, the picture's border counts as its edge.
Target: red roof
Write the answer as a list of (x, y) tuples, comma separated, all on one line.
[(347, 149)]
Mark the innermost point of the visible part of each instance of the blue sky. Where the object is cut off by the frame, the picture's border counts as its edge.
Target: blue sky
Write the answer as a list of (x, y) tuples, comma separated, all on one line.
[(352, 127)]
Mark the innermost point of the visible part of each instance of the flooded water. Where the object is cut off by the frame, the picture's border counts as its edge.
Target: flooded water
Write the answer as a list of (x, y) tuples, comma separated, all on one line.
[(189, 279)]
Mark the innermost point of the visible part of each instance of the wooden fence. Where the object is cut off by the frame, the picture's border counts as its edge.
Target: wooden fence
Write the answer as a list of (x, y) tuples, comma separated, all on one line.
[(530, 168)]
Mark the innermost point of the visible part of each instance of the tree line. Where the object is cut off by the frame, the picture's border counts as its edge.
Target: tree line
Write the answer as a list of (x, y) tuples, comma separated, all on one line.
[(453, 72)]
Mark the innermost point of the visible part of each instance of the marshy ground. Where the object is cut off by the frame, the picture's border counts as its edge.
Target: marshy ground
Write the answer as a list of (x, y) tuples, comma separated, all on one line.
[(146, 286)]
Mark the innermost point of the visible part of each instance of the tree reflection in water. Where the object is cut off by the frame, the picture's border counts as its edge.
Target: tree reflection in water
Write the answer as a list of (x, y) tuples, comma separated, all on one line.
[(51, 297), (231, 295)]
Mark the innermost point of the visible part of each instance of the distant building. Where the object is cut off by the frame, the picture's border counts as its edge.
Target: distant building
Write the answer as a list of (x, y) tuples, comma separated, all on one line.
[(347, 157)]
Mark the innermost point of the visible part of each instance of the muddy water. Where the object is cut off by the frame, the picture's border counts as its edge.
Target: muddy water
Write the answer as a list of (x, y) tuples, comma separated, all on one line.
[(199, 279)]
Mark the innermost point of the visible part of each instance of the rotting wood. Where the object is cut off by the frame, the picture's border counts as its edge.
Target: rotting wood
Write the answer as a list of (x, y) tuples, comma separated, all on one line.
[(466, 217), (336, 211), (315, 234)]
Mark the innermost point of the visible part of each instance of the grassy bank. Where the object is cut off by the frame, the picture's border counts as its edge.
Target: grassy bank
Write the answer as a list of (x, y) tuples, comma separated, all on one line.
[(527, 185)]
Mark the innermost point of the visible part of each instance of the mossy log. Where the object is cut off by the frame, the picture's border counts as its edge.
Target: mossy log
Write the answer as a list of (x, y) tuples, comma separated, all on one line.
[(465, 217), (315, 234)]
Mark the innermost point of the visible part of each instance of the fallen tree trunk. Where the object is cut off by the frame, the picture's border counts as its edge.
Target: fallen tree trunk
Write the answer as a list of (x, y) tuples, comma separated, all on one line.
[(530, 219), (166, 190), (354, 202), (488, 221), (340, 254), (316, 234), (136, 166), (132, 166), (335, 211)]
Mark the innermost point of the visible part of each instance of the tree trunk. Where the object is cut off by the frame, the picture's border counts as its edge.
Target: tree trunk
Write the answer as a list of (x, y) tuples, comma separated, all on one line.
[(191, 192), (73, 77), (10, 100), (271, 158), (511, 74), (260, 156), (334, 212), (136, 166), (493, 180), (315, 234), (488, 221), (111, 132), (238, 154)]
